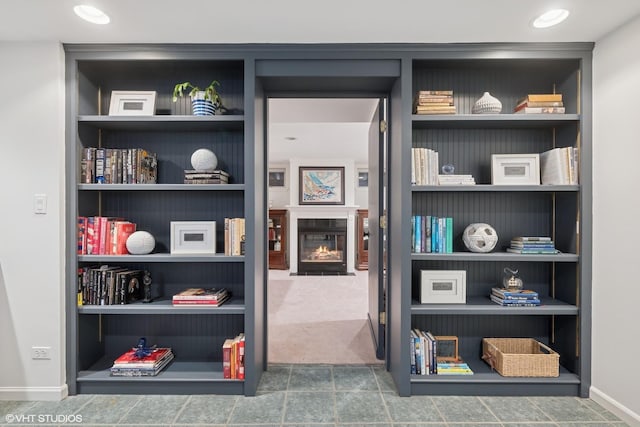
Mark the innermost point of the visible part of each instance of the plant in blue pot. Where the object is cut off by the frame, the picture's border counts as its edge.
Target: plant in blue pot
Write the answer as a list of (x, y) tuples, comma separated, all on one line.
[(204, 102)]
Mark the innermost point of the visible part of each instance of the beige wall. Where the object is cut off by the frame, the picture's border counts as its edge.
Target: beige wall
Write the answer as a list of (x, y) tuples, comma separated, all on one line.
[(31, 245), (616, 211)]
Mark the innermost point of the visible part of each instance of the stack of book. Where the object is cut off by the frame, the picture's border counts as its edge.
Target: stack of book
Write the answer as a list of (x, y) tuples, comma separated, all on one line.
[(521, 298), (129, 365), (532, 245), (212, 297), (453, 368), (540, 103), (559, 166), (424, 166), (192, 176), (434, 102), (233, 358), (456, 180)]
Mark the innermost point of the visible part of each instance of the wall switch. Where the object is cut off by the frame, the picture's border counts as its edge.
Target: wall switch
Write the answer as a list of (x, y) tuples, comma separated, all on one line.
[(40, 203), (40, 353)]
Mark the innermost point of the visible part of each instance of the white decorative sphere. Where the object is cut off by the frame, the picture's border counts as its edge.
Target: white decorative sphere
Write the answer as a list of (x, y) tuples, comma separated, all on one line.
[(140, 243), (480, 237), (204, 160)]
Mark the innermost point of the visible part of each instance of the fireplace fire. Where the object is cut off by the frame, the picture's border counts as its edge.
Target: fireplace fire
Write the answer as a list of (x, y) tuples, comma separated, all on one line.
[(322, 246)]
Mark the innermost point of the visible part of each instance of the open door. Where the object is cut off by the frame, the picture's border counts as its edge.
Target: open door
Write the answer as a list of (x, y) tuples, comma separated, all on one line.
[(377, 230)]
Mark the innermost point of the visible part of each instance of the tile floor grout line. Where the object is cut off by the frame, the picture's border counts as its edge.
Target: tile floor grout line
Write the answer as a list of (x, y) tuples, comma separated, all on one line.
[(233, 408), (129, 410), (483, 403), (182, 408), (444, 420)]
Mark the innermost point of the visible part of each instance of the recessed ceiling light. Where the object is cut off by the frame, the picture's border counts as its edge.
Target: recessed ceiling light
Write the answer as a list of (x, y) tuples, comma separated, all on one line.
[(91, 14), (290, 138), (551, 18)]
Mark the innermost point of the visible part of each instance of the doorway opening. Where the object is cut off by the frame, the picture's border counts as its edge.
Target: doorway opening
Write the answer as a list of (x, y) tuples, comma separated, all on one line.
[(318, 288)]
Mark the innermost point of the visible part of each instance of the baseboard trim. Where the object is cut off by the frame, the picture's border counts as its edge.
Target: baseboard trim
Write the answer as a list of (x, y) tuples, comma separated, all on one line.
[(615, 407), (34, 393)]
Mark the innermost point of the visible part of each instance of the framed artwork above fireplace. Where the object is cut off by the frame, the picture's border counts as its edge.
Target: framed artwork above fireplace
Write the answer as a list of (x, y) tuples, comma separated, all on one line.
[(321, 185)]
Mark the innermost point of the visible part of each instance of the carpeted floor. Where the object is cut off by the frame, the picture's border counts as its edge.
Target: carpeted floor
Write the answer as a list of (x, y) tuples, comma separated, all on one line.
[(319, 319)]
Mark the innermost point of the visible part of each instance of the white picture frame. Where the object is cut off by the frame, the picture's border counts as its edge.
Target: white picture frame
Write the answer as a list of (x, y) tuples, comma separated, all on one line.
[(515, 169), (443, 287), (132, 103), (193, 237)]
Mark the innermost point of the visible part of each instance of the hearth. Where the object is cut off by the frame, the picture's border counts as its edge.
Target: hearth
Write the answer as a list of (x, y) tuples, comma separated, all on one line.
[(322, 246)]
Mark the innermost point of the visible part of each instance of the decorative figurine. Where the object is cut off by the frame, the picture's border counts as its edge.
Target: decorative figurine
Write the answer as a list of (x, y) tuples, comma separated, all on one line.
[(480, 237), (511, 281), (146, 281), (141, 350), (448, 169)]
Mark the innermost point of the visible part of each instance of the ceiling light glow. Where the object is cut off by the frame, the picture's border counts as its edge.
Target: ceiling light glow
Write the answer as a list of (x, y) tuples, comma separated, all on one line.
[(551, 18), (91, 14)]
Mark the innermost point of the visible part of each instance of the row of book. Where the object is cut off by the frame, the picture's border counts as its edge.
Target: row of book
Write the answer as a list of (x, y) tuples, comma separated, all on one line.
[(532, 245), (424, 166), (559, 166), (515, 298), (192, 176), (233, 357), (142, 362), (110, 285), (434, 102), (118, 166), (540, 103), (101, 235), (425, 359), (234, 236), (201, 297), (431, 234)]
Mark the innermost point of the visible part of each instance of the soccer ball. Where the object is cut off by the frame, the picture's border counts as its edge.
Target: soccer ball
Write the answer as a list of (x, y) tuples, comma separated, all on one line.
[(204, 160), (140, 243), (480, 237)]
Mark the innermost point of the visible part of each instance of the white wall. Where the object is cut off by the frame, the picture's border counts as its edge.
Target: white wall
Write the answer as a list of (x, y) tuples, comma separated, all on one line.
[(31, 245), (616, 174)]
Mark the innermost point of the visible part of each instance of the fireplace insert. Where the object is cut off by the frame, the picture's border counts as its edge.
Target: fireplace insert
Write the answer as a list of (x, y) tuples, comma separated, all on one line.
[(322, 246)]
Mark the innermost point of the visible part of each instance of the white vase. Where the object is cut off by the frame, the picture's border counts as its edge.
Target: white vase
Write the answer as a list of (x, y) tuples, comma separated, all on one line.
[(487, 104)]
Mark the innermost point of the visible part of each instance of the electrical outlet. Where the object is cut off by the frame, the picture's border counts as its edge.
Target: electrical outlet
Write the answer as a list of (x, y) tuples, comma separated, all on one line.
[(40, 353)]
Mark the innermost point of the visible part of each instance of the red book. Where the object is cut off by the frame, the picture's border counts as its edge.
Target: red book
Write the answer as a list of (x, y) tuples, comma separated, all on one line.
[(82, 235), (129, 357), (124, 229), (226, 358), (241, 358)]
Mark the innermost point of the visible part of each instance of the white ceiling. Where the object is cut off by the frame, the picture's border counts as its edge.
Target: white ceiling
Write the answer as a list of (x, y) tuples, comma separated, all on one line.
[(322, 128), (299, 21)]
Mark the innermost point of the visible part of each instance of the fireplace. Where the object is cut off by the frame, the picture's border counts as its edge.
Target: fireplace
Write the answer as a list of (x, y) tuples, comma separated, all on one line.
[(322, 246)]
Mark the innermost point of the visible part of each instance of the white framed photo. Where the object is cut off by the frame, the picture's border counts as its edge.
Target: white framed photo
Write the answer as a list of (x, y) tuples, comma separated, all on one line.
[(193, 237), (515, 169), (443, 287), (132, 103)]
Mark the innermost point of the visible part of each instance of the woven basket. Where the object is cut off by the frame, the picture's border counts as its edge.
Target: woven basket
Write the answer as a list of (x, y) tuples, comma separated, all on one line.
[(520, 357)]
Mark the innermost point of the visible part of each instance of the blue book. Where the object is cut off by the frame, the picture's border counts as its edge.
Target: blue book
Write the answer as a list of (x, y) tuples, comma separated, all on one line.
[(449, 235)]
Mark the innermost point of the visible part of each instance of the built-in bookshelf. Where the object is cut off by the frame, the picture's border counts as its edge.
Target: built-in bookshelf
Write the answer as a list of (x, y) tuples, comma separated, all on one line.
[(248, 74), (99, 333), (468, 141)]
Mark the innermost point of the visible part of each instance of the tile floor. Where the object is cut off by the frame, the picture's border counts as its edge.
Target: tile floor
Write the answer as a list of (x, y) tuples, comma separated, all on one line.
[(313, 396)]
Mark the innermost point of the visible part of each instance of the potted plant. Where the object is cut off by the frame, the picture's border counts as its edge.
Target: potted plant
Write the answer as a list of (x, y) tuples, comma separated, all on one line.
[(205, 101)]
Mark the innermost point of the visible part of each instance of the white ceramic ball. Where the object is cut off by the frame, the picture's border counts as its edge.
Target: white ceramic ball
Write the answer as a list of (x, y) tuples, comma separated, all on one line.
[(140, 243), (480, 237), (204, 160)]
